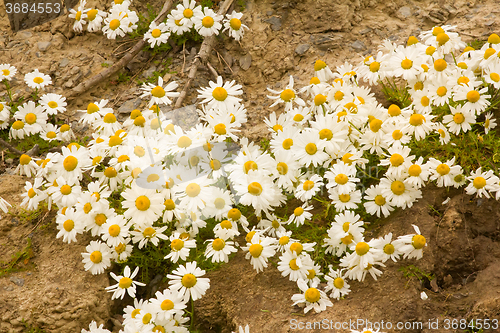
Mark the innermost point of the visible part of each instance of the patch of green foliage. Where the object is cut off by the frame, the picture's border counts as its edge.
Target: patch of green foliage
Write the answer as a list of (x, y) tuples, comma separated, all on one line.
[(411, 271), (165, 68), (19, 260), (31, 329)]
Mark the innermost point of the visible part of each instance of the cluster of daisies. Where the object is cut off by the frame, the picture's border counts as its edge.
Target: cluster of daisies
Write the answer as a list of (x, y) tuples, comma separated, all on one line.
[(169, 182), (121, 20), (32, 118)]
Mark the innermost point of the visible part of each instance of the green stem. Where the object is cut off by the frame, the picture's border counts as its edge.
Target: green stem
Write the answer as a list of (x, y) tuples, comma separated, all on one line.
[(191, 326), (369, 176), (9, 92)]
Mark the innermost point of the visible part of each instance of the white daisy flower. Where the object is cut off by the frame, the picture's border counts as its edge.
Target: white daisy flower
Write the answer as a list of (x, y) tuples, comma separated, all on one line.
[(220, 95), (122, 251), (168, 303), (116, 24), (33, 195), (26, 167), (145, 234), (97, 258), (179, 247), (443, 172), (125, 284), (143, 206), (295, 266), (206, 21), (115, 230), (53, 103), (95, 17), (476, 101), (37, 80), (286, 96), (376, 203), (188, 281), (7, 72), (308, 187), (160, 94), (312, 297), (489, 122), (459, 120), (399, 191), (79, 15), (300, 214), (481, 183), (411, 246), (337, 282), (157, 34), (33, 117), (220, 248), (388, 250), (232, 23), (260, 248)]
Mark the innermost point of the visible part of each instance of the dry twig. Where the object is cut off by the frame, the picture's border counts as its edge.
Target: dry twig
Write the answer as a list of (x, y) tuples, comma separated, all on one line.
[(201, 57), (84, 86)]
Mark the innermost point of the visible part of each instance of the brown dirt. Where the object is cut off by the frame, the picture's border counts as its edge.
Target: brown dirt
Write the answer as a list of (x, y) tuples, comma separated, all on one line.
[(463, 251)]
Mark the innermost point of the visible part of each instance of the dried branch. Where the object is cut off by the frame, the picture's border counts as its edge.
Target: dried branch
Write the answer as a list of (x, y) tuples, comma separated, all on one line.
[(84, 86), (10, 147), (201, 57)]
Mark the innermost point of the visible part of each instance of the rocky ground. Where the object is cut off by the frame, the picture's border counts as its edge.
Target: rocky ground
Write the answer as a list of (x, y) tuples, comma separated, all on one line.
[(285, 38)]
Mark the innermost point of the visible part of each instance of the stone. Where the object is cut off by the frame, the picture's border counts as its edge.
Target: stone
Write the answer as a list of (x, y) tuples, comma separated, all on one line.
[(17, 280), (302, 49), (246, 62), (43, 46), (8, 288), (167, 77), (365, 31), (358, 46), (9, 161), (64, 62), (129, 105), (24, 34), (149, 72), (69, 84), (403, 13), (275, 22)]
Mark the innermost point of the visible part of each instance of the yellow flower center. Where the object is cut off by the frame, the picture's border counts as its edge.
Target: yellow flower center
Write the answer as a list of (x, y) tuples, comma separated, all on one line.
[(479, 182), (188, 13), (325, 133), (362, 248), (397, 134), (275, 224), (219, 203), (96, 257), (156, 33), (440, 65), (158, 92), (396, 160), (375, 125), (234, 214), (147, 318), (414, 170), (418, 241), (177, 245), (489, 52), (287, 144), (296, 247), (250, 165), (178, 23), (167, 305), (135, 313), (437, 30), (308, 185), (442, 38), (314, 80), (311, 148), (207, 22), (416, 119), (458, 118), (255, 250), (109, 118), (284, 240), (338, 283), (319, 99), (312, 295), (293, 265), (344, 197), (70, 163), (68, 225), (92, 108), (142, 203), (282, 168), (87, 208), (406, 63), (473, 96), (394, 110), (235, 24), (65, 189), (341, 179), (374, 67), (193, 189), (398, 187), (38, 80), (298, 211), (287, 95), (100, 219), (114, 230), (125, 282), (24, 159), (91, 14), (110, 172), (339, 95), (218, 244), (31, 193), (494, 77), (184, 142), (311, 273), (379, 200), (319, 65), (114, 24), (215, 164), (5, 72), (149, 232), (17, 125), (120, 248), (443, 169), (226, 224), (220, 129), (254, 188), (441, 91), (220, 94), (30, 118)]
